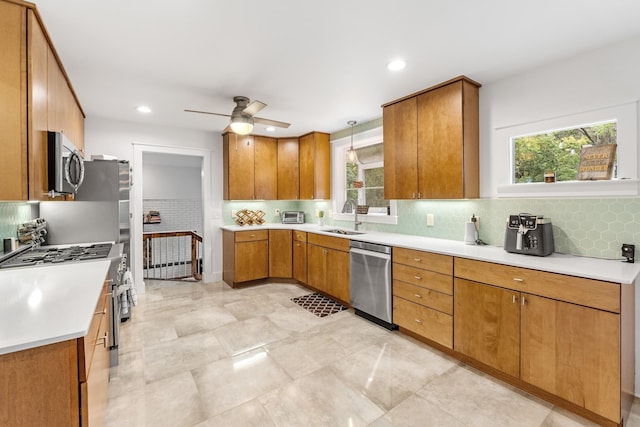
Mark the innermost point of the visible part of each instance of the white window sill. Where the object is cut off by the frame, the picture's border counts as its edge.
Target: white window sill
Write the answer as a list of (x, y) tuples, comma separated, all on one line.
[(612, 188), (376, 219)]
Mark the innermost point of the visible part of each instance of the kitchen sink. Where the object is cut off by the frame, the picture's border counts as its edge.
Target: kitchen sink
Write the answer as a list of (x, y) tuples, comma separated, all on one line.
[(344, 232)]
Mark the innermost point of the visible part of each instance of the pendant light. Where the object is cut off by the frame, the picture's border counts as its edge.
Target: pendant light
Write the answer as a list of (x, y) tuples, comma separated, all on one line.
[(352, 157)]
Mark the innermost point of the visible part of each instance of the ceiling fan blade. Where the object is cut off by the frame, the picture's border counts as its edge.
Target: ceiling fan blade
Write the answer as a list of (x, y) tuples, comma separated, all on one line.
[(269, 122), (207, 112), (254, 107)]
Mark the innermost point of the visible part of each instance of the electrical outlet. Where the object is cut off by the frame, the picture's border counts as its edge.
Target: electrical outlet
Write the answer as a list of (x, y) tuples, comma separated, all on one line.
[(430, 220), (277, 212), (629, 251), (234, 213)]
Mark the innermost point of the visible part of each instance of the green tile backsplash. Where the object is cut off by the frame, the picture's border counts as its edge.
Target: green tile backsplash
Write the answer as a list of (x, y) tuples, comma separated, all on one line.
[(588, 227)]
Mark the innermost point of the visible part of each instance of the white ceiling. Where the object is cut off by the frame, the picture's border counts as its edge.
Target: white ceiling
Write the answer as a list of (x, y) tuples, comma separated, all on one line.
[(317, 64)]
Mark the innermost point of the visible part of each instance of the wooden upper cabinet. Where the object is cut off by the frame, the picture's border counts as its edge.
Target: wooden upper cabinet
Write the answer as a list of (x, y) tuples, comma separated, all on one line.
[(288, 169), (432, 143), (315, 166), (400, 132), (238, 165), (266, 168), (13, 103)]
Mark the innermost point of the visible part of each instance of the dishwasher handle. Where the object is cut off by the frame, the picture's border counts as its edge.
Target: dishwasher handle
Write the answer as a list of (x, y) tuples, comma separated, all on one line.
[(370, 253)]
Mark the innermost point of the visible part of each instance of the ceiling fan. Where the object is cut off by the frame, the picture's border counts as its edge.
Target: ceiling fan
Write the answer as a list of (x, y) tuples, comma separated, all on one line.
[(242, 116)]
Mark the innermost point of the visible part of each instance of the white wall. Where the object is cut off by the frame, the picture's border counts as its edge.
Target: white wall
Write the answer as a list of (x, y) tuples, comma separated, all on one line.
[(599, 79), (126, 140), (602, 78), (171, 182)]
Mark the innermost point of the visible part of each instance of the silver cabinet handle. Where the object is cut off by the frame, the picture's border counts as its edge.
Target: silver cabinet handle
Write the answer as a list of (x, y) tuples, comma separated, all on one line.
[(524, 300), (518, 279), (104, 339), (100, 312), (418, 321), (252, 235), (417, 295), (417, 277), (417, 259), (513, 301)]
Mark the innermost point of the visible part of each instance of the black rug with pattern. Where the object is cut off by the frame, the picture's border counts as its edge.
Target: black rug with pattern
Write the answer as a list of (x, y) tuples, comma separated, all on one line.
[(318, 304)]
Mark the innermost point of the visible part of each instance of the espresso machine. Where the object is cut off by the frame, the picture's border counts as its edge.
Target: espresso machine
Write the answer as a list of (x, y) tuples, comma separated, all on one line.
[(529, 235)]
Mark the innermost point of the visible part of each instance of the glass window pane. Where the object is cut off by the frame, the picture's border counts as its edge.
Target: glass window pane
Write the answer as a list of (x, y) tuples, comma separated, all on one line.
[(352, 174), (374, 177), (375, 197), (557, 151)]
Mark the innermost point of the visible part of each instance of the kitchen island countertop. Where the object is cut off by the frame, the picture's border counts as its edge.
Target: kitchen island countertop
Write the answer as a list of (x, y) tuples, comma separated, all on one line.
[(592, 268), (45, 305)]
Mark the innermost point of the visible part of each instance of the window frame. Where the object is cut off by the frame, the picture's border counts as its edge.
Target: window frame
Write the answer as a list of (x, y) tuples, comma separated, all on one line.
[(338, 177), (627, 183)]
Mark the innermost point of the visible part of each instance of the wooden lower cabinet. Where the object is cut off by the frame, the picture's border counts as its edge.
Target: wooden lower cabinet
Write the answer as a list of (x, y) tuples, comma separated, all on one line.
[(281, 254), (556, 345), (300, 256), (245, 256), (572, 352), (61, 384), (487, 326), (327, 267), (431, 324)]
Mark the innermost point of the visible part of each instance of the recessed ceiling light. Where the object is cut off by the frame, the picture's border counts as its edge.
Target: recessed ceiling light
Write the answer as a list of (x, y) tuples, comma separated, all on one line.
[(271, 129), (143, 109), (396, 65)]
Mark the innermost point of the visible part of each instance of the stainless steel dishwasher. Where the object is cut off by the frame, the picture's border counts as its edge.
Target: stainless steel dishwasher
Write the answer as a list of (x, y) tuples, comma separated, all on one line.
[(370, 283)]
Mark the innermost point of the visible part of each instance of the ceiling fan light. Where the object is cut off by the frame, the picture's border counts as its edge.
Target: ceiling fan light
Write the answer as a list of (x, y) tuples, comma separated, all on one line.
[(241, 125)]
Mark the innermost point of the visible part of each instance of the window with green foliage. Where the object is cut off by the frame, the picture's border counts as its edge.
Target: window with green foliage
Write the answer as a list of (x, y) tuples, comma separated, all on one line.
[(365, 179), (557, 151)]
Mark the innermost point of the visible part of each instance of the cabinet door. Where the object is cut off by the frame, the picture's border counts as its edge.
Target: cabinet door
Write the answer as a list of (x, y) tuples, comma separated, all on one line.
[(307, 167), (94, 392), (400, 150), (288, 169), (300, 262), (38, 105), (266, 168), (337, 278), (315, 166), (238, 164), (13, 103), (317, 267), (573, 352), (252, 260), (280, 253), (487, 325)]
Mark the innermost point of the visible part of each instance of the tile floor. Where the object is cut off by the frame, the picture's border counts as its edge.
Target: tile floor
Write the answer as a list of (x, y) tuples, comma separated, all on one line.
[(207, 355)]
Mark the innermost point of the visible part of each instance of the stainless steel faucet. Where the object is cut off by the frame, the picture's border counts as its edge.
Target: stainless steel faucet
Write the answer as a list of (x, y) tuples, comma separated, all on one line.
[(356, 223)]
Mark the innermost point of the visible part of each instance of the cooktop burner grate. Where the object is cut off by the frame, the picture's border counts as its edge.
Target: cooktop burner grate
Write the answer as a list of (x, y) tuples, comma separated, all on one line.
[(46, 255)]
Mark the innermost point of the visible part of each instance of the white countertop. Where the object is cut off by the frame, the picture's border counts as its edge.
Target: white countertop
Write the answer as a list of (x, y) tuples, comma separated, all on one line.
[(45, 305), (592, 268)]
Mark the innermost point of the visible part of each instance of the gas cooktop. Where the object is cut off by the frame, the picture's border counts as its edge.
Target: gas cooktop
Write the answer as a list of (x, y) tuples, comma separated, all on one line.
[(45, 255)]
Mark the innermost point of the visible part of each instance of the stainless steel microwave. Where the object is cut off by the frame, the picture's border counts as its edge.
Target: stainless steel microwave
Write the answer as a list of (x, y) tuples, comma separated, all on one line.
[(292, 217), (65, 165)]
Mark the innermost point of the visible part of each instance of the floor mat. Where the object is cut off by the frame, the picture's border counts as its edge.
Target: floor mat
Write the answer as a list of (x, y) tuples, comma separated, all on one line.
[(318, 304)]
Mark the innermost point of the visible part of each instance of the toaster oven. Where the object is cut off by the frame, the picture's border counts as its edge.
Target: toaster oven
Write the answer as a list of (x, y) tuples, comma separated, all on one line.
[(292, 217)]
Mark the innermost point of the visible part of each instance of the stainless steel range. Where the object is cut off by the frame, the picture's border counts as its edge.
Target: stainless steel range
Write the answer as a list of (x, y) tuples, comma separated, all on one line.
[(54, 254)]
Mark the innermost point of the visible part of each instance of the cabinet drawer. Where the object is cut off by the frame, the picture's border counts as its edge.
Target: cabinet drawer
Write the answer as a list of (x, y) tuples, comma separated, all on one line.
[(87, 344), (299, 236), (577, 290), (424, 278), (423, 321), (423, 296), (426, 260), (249, 236), (337, 243)]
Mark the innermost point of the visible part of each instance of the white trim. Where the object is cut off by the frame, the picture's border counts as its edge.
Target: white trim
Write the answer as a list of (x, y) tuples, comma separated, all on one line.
[(338, 146), (137, 210), (628, 159)]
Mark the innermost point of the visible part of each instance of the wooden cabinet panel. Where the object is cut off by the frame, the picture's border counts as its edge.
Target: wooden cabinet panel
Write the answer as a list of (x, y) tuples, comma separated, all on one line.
[(252, 260), (423, 296), (280, 253), (315, 166), (432, 143), (578, 290), (426, 260), (266, 168), (300, 236), (13, 103), (238, 165), (487, 325), (288, 169), (425, 278), (338, 275), (400, 134), (300, 261), (251, 236), (338, 243), (317, 267), (572, 352), (423, 321), (94, 392)]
